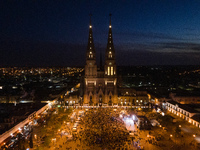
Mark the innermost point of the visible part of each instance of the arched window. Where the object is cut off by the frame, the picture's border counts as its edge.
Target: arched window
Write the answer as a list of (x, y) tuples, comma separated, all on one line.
[(108, 70), (111, 71)]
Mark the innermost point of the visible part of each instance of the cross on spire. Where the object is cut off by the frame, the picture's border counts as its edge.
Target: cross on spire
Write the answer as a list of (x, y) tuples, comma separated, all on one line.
[(110, 17), (90, 18)]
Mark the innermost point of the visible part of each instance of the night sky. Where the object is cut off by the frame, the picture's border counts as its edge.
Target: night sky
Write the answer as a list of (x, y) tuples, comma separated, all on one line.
[(55, 33)]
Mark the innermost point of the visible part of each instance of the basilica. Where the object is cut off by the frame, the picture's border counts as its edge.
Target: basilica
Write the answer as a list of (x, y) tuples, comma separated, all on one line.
[(100, 84)]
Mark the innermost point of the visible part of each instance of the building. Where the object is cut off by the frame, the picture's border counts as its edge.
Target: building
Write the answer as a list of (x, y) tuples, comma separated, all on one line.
[(130, 96), (100, 84), (188, 112), (185, 97)]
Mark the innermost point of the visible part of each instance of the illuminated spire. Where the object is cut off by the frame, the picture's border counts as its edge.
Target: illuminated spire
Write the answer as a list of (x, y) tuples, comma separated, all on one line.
[(90, 48), (110, 52)]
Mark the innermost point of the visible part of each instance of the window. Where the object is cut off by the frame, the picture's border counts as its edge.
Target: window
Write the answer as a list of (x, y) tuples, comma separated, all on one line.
[(111, 71), (110, 54), (110, 41), (90, 52), (110, 48), (90, 41), (108, 70), (90, 47)]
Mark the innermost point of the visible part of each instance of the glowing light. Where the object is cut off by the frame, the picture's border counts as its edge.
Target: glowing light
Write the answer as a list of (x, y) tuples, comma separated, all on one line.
[(110, 26), (163, 114), (179, 126), (171, 135), (194, 135), (90, 26), (133, 117)]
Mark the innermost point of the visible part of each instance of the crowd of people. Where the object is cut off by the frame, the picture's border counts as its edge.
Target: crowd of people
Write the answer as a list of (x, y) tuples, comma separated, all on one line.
[(101, 128)]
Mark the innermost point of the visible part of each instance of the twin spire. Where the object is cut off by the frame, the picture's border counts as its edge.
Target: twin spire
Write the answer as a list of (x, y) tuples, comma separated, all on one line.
[(91, 55)]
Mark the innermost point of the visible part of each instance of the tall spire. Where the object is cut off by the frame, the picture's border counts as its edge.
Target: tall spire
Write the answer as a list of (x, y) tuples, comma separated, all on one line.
[(110, 64), (90, 48), (110, 52)]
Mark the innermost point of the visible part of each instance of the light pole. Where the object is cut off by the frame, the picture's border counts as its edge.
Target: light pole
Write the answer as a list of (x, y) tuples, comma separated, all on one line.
[(194, 136)]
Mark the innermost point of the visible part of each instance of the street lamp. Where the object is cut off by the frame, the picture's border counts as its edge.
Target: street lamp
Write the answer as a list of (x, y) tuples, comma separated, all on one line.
[(171, 135), (179, 126), (35, 136), (194, 135)]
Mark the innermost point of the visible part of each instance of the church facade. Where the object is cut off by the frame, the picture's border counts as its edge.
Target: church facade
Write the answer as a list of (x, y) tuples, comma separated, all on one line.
[(100, 84)]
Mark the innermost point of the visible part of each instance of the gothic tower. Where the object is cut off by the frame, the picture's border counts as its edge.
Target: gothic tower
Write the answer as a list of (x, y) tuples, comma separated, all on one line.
[(90, 69), (110, 69), (100, 86)]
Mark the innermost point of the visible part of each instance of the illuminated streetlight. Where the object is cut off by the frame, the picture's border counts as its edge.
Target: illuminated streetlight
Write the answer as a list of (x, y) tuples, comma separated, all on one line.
[(179, 126), (20, 130), (133, 117), (35, 136), (171, 135), (194, 135)]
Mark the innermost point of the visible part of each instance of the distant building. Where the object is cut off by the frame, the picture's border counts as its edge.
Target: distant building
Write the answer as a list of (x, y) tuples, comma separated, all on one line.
[(185, 98)]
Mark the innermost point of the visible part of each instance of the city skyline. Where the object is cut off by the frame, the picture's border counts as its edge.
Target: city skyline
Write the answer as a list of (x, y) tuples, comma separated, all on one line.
[(56, 33)]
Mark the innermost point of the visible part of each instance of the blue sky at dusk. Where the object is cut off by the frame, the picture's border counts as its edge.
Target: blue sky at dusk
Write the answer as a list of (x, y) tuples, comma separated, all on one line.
[(55, 33)]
